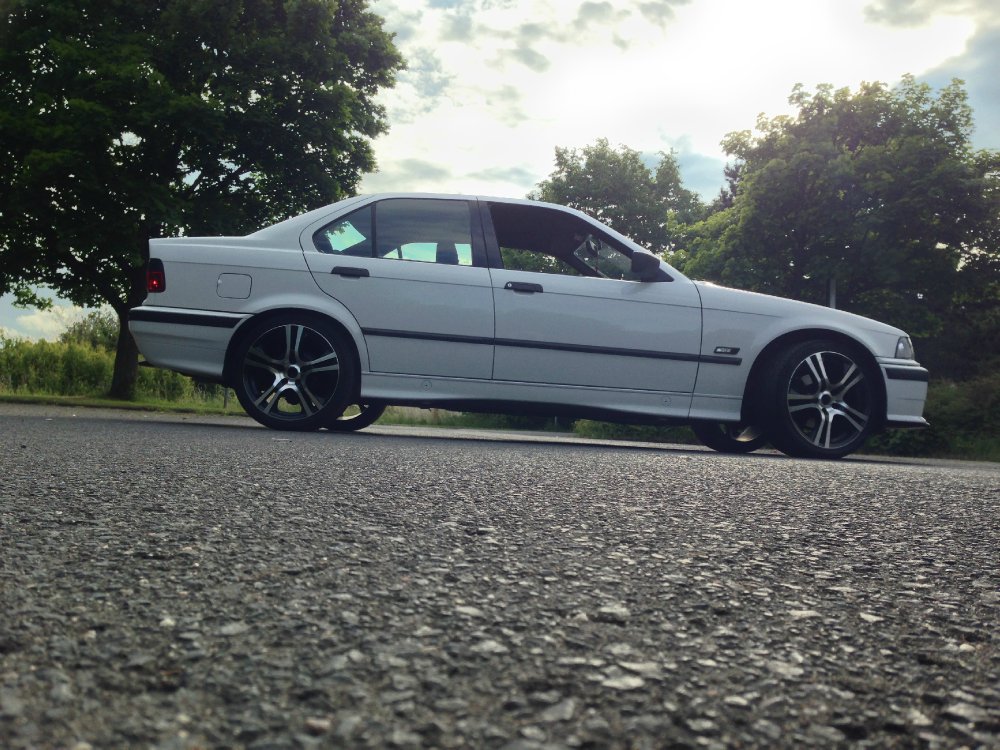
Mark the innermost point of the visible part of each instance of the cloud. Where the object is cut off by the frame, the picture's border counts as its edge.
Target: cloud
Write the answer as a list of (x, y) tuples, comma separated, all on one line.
[(457, 28), (917, 12), (976, 64), (530, 58), (496, 85), (19, 322), (47, 324), (661, 12), (516, 175), (595, 13), (408, 174)]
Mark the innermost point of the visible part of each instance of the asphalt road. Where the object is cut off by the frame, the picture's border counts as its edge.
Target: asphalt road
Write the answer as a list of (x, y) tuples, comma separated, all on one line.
[(175, 582)]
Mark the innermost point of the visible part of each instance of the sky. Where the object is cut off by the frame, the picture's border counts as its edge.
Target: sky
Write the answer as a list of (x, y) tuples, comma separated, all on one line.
[(492, 87)]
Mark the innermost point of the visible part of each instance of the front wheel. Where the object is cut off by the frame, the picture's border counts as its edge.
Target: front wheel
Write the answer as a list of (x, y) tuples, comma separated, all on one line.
[(822, 399), (357, 417), (294, 372), (729, 438)]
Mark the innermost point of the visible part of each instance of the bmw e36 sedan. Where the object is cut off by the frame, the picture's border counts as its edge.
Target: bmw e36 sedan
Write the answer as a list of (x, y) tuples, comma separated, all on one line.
[(511, 306)]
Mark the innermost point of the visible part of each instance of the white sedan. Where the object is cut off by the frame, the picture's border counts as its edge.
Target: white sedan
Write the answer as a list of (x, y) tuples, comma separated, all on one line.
[(511, 306)]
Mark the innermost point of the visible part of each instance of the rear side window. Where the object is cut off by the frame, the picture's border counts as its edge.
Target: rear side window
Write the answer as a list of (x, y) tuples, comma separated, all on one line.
[(415, 229), (424, 230)]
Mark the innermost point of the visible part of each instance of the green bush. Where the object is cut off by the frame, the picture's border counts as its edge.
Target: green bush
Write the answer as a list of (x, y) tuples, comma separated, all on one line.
[(75, 369), (644, 433), (53, 368), (163, 385)]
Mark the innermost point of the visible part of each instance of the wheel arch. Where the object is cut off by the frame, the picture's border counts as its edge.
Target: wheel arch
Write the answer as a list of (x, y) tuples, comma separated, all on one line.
[(791, 338), (239, 336)]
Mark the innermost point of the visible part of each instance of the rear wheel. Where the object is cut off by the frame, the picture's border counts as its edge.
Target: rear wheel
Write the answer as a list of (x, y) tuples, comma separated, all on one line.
[(730, 438), (357, 417), (823, 400), (294, 372)]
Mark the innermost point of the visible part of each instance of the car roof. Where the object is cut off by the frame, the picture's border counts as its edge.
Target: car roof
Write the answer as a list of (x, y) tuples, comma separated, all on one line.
[(290, 229)]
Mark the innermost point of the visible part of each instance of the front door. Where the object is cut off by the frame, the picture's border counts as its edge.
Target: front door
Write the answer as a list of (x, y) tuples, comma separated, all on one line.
[(569, 311)]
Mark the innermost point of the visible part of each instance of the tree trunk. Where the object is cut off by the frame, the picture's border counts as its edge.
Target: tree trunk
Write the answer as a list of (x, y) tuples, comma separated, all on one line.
[(126, 370)]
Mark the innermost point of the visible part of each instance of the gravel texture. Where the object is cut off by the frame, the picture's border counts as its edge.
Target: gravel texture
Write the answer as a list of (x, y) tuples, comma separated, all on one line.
[(171, 582)]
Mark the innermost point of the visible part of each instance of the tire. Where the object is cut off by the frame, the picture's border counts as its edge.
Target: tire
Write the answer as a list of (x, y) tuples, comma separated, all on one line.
[(357, 417), (294, 372), (822, 400), (730, 438)]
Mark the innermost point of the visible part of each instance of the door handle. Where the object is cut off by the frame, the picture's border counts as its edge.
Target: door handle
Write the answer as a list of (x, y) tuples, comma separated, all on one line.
[(350, 271), (523, 286)]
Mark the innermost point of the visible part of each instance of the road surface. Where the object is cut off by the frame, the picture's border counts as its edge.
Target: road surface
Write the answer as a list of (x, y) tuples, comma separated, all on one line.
[(179, 582)]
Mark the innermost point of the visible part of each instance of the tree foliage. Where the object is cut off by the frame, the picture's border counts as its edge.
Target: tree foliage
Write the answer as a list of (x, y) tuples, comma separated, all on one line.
[(616, 187), (123, 120), (877, 189), (97, 329)]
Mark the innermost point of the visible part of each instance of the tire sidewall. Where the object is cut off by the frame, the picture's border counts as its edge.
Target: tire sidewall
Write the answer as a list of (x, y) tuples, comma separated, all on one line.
[(366, 418), (784, 434), (346, 384), (712, 435)]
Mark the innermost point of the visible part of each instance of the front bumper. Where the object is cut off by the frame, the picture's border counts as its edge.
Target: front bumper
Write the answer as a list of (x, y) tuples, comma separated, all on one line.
[(906, 393)]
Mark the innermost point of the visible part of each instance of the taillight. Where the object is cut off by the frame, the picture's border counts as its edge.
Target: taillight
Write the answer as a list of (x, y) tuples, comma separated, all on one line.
[(156, 279)]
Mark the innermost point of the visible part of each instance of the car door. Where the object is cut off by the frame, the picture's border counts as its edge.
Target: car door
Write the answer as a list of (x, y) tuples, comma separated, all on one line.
[(556, 324), (412, 272)]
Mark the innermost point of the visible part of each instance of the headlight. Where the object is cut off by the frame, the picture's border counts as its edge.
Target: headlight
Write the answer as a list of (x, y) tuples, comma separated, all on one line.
[(904, 348)]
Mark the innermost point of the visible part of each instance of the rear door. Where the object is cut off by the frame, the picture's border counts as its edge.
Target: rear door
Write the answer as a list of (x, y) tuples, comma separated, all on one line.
[(412, 272)]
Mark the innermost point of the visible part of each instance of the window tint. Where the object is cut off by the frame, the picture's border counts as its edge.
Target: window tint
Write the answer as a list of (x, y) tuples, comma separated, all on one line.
[(349, 235), (425, 230), (546, 240)]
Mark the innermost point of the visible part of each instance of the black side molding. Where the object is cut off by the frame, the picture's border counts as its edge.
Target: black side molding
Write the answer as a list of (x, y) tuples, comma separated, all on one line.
[(918, 374), (198, 319)]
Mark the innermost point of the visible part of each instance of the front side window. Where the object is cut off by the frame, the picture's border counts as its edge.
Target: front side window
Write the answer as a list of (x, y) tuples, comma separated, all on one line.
[(546, 240)]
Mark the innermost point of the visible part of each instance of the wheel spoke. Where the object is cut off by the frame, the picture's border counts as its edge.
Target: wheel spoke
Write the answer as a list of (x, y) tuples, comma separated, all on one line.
[(310, 368), (843, 391), (848, 409), (839, 386), (257, 358), (801, 396), (824, 430), (273, 391), (295, 351), (857, 427), (815, 363), (306, 397), (802, 407)]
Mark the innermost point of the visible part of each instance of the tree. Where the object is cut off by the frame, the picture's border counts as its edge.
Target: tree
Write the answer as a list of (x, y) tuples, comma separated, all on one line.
[(98, 329), (124, 120), (878, 191), (616, 187)]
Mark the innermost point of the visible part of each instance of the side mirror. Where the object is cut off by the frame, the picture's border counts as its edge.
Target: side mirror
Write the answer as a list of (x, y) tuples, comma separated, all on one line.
[(645, 266)]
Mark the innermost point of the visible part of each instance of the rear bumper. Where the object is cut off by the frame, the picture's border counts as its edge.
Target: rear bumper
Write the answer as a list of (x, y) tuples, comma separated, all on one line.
[(193, 342)]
